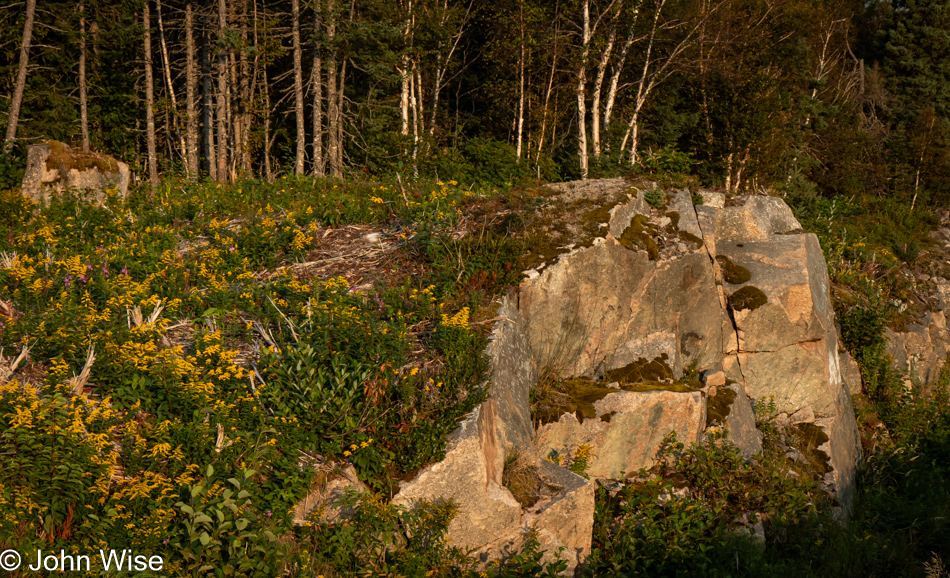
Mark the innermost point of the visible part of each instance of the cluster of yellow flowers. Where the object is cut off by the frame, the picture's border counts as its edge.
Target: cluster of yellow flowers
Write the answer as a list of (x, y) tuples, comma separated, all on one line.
[(459, 320)]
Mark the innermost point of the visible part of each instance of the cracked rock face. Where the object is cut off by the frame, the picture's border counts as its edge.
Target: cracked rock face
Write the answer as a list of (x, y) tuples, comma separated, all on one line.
[(767, 322)]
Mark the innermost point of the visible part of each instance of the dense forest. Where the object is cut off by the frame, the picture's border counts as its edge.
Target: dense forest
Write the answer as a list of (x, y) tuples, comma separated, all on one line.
[(847, 96)]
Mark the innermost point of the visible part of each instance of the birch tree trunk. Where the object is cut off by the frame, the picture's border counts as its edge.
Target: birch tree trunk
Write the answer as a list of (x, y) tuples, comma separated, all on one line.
[(405, 72), (83, 107), (521, 59), (598, 84), (191, 80), (615, 81), (319, 167), (265, 91), (337, 163), (20, 85), (222, 149), (150, 104), (167, 67), (298, 90), (332, 71), (581, 94)]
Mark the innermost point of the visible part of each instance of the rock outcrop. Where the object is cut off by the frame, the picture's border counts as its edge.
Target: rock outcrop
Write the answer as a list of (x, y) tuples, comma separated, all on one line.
[(490, 521), (733, 290), (53, 167)]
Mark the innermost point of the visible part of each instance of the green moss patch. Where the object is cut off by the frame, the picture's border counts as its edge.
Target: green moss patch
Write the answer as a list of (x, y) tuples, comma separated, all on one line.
[(689, 238), (578, 395), (637, 236), (719, 406), (731, 272), (641, 371), (64, 159), (674, 217), (749, 297)]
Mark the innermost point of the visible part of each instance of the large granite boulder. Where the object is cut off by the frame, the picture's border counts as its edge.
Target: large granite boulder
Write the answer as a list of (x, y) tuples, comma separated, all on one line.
[(731, 289), (53, 167)]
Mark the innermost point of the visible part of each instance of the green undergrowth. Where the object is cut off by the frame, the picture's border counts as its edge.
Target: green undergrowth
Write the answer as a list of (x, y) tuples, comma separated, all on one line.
[(212, 357)]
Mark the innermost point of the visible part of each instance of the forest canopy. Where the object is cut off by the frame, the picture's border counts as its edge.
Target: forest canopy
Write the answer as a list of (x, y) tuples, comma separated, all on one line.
[(813, 96)]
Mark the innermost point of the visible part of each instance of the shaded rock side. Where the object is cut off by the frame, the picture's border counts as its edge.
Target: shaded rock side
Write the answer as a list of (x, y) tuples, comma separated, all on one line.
[(920, 351), (628, 430), (513, 374), (53, 167), (324, 502), (731, 408)]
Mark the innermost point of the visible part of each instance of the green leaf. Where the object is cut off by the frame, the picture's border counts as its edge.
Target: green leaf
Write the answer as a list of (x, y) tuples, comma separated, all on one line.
[(204, 538)]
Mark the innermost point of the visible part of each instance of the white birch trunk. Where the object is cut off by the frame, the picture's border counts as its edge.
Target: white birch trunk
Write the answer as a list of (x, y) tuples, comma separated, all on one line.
[(298, 90)]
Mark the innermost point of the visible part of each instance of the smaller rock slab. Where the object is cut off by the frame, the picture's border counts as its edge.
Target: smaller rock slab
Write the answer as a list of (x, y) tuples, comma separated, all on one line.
[(629, 429)]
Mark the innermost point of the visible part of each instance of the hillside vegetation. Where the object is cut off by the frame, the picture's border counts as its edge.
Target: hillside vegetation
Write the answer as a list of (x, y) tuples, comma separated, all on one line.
[(192, 357)]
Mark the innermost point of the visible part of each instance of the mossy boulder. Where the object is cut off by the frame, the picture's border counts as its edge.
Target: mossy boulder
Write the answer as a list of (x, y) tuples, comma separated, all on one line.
[(54, 167)]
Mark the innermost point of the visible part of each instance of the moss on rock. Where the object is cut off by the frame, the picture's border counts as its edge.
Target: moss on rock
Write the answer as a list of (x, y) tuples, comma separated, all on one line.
[(641, 371), (731, 272), (749, 297), (63, 158), (637, 236), (719, 406)]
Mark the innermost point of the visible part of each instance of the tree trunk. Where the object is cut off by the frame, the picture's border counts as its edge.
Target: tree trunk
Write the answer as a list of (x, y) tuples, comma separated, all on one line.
[(521, 59), (598, 84), (222, 171), (83, 108), (581, 96), (150, 104), (614, 82), (265, 91), (319, 167), (191, 79), (207, 115), (167, 67), (341, 83), (20, 85), (405, 72), (333, 110), (298, 90)]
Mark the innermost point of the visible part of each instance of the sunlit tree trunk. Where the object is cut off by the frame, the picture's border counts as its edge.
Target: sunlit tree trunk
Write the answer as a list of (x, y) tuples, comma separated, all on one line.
[(83, 105), (191, 79), (319, 166), (222, 112), (298, 90), (150, 103), (20, 85)]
